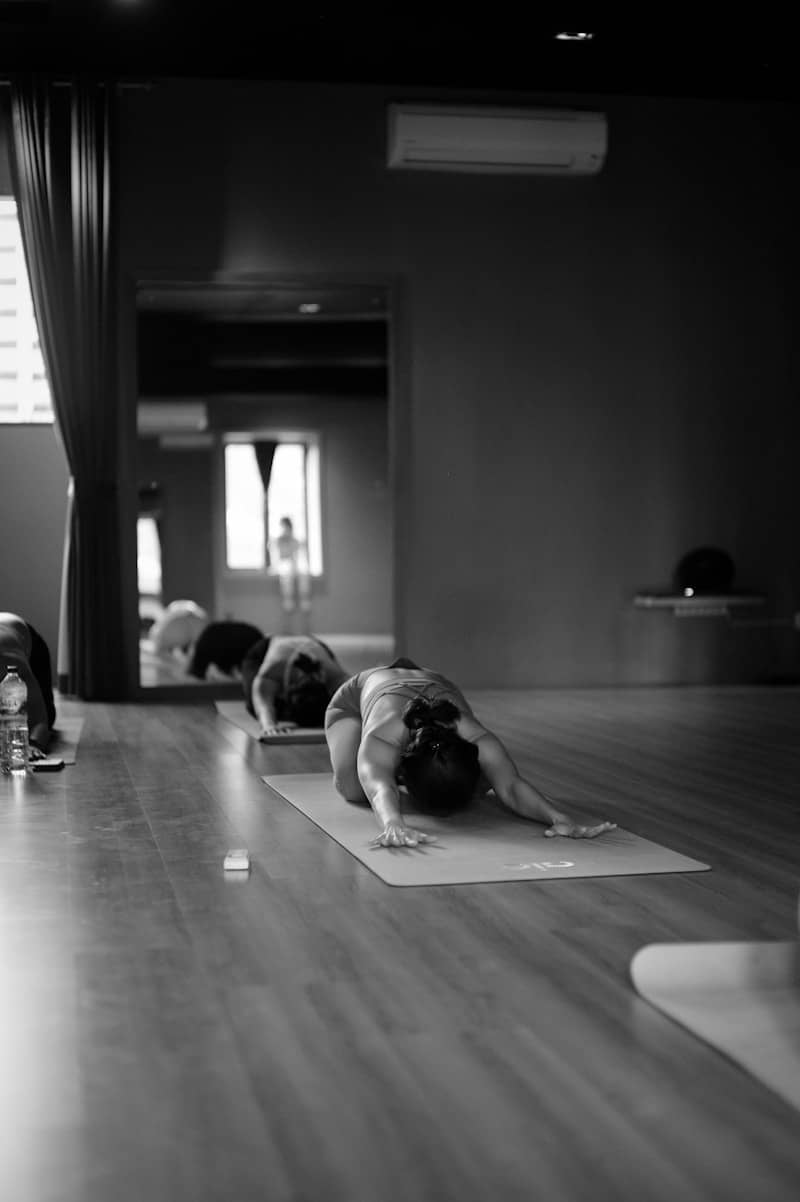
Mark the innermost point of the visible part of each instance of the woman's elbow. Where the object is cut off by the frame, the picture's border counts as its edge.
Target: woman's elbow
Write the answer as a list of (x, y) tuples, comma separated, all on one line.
[(506, 793)]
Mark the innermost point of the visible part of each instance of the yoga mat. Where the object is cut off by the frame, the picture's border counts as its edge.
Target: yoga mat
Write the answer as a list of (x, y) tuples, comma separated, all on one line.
[(741, 998), (485, 843), (65, 738), (235, 712)]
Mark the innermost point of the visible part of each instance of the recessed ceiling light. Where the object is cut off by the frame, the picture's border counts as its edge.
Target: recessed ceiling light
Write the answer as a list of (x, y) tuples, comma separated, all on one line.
[(574, 37), (309, 307)]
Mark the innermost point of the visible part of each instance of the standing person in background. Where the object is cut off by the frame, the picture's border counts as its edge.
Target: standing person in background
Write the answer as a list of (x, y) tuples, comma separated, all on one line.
[(23, 648), (291, 563)]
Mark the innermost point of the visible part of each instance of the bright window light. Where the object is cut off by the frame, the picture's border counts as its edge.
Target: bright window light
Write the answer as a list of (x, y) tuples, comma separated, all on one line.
[(24, 391), (287, 490), (313, 510), (294, 492), (149, 557), (244, 508)]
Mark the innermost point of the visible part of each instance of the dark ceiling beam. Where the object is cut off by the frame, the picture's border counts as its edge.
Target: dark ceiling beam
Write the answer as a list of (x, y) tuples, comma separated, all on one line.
[(733, 57)]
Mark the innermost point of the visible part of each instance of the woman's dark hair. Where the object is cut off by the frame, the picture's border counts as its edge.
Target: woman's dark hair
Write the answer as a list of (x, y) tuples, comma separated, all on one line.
[(306, 693), (41, 667), (438, 767)]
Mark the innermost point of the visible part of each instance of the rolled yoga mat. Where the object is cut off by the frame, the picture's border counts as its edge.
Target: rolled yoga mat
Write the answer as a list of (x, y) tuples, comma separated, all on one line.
[(64, 739), (485, 843), (235, 712), (741, 998)]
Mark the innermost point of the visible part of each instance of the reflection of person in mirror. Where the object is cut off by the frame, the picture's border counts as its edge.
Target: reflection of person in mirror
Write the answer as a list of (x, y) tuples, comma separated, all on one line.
[(23, 648), (294, 578), (220, 649), (176, 630), (406, 726)]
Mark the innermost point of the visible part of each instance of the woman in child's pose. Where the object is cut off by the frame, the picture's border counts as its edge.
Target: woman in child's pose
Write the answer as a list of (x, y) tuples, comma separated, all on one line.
[(23, 648), (288, 681), (405, 725)]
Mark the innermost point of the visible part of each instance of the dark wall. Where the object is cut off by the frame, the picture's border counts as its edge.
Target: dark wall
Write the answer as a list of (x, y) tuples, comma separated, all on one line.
[(598, 373), (602, 372), (184, 479)]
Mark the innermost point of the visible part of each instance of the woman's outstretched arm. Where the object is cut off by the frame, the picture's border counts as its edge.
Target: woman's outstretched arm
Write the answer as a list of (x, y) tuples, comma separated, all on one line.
[(524, 798), (265, 699), (378, 761)]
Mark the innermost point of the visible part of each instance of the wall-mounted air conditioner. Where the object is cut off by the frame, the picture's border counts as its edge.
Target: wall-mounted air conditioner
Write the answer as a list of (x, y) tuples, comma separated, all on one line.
[(170, 417), (186, 442), (502, 140)]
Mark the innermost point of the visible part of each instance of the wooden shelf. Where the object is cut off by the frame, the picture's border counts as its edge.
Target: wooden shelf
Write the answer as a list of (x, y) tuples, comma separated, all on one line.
[(703, 605)]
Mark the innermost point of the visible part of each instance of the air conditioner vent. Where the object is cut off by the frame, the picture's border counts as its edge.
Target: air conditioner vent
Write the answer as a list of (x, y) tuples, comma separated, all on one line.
[(496, 140), (171, 417)]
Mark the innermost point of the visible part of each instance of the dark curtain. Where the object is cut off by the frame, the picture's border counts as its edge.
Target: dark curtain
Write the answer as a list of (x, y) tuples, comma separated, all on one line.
[(61, 165), (265, 455)]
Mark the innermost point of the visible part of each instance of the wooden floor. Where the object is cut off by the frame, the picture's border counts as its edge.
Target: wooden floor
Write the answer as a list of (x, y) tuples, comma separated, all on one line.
[(309, 1033)]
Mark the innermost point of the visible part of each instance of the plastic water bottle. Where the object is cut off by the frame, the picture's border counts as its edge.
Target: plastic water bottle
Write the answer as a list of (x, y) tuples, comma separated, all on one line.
[(14, 751)]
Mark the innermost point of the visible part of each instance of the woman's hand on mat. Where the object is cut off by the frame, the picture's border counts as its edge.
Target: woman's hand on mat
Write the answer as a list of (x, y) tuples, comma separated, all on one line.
[(570, 829), (276, 729), (396, 834)]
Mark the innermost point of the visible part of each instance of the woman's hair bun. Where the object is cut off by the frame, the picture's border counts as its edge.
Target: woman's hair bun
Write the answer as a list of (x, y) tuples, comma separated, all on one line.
[(420, 712)]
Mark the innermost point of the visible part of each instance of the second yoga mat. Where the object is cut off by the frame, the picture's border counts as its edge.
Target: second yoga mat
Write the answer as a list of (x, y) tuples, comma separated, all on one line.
[(485, 843), (236, 713), (741, 998)]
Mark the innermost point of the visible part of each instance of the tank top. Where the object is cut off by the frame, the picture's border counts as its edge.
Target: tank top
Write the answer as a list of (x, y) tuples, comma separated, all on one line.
[(407, 686)]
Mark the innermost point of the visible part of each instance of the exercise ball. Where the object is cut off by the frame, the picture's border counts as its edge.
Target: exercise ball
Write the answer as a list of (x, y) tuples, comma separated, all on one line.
[(705, 570)]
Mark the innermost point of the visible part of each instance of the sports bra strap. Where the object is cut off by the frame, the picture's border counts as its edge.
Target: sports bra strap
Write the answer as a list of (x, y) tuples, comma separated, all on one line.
[(420, 688)]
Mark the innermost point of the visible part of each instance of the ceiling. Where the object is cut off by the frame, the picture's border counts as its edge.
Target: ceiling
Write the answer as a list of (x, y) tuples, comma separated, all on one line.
[(734, 59), (250, 341), (260, 300), (241, 352)]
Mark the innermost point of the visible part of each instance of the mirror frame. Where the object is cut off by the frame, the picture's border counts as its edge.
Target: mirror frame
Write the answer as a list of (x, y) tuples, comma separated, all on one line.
[(398, 434)]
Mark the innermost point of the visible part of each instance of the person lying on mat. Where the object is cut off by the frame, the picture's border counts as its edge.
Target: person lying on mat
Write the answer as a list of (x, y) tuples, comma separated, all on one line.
[(23, 648), (222, 646), (406, 725), (288, 681), (177, 628)]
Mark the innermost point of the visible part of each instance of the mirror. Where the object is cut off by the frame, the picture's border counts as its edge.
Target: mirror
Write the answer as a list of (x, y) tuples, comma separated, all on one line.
[(264, 500)]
